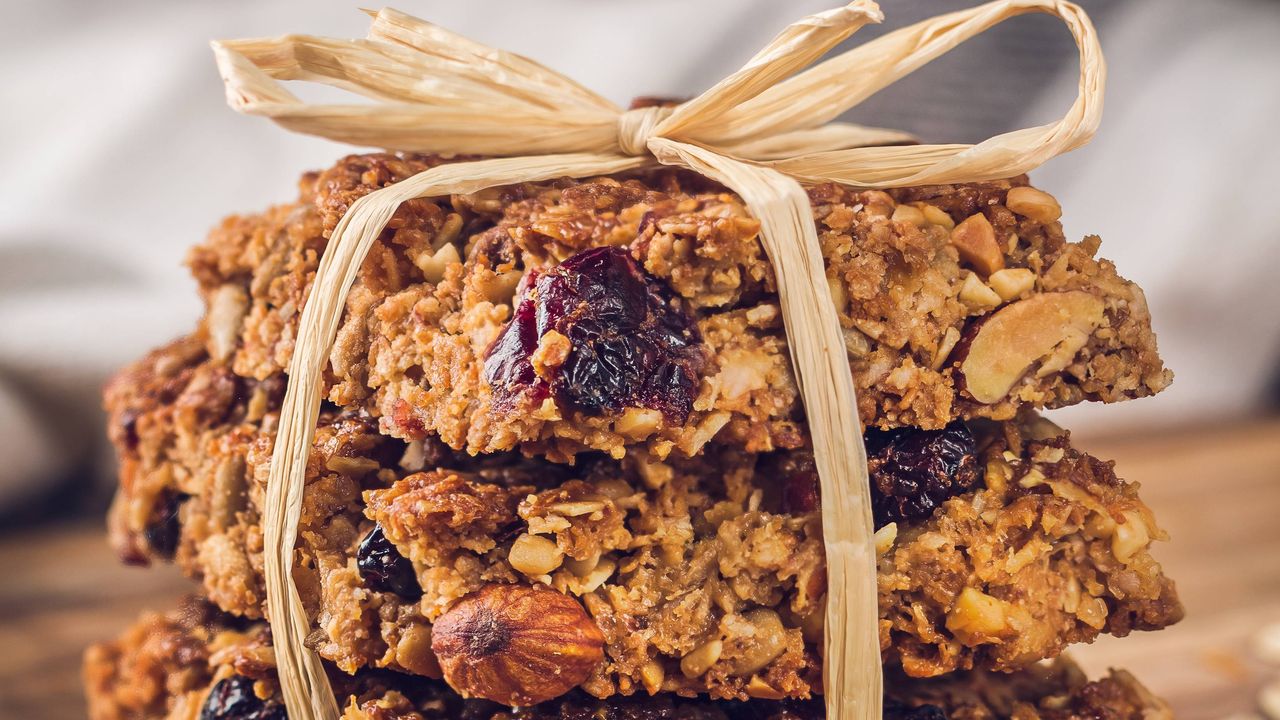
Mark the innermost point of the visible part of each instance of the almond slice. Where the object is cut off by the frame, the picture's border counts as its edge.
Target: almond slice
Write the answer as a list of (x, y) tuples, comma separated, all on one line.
[(1018, 335)]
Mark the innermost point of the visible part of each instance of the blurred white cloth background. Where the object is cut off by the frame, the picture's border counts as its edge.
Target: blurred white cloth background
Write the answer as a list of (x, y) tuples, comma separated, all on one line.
[(118, 153)]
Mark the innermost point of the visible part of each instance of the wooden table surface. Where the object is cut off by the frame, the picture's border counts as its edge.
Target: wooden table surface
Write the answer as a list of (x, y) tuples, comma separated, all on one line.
[(1217, 491)]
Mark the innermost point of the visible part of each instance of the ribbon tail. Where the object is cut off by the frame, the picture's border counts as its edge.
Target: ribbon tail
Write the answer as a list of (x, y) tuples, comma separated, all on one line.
[(852, 672)]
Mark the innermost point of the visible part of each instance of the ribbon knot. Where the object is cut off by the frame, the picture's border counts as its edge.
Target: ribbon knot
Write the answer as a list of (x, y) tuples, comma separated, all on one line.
[(636, 126)]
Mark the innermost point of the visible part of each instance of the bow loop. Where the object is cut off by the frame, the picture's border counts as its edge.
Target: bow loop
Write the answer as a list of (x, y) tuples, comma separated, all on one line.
[(761, 131)]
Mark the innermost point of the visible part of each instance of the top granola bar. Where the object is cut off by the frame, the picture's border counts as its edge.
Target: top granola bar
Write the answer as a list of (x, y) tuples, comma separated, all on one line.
[(640, 311)]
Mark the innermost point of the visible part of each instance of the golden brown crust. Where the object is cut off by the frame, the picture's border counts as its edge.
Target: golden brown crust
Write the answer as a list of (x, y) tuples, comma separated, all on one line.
[(666, 556), (412, 344)]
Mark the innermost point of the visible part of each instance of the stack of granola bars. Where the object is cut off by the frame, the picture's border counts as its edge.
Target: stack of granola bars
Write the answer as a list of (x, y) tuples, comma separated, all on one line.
[(562, 463)]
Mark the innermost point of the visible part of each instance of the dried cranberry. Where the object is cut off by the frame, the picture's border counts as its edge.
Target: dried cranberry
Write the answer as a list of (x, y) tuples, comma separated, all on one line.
[(913, 471), (233, 699), (384, 568), (164, 530), (801, 491), (630, 342)]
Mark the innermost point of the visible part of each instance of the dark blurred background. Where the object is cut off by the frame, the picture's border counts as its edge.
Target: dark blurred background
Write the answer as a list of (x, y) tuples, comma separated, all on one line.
[(118, 152)]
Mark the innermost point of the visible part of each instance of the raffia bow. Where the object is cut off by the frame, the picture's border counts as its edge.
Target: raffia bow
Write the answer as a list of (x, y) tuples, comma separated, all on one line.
[(761, 132)]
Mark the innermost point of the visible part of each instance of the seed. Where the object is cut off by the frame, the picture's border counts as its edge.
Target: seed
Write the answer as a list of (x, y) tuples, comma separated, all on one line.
[(534, 555)]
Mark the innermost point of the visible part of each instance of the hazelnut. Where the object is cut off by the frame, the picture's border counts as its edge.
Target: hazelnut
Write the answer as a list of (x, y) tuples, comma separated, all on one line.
[(975, 240), (516, 644), (1011, 340)]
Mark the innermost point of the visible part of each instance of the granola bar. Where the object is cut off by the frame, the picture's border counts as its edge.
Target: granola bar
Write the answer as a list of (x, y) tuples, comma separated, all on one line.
[(1000, 544), (195, 661), (640, 311)]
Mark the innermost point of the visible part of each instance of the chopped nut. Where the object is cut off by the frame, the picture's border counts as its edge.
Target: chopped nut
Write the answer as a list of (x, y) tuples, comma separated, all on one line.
[(977, 617), (936, 216), (1130, 538), (651, 676), (1093, 612), (534, 555), (975, 239), (576, 508), (638, 423), (1011, 340), (414, 458), (976, 295), (413, 652), (758, 688), (856, 343), (598, 575), (908, 214), (1011, 283), (614, 489), (227, 309), (945, 346), (553, 348), (229, 496), (434, 265), (1032, 203), (1048, 455), (352, 466), (700, 659), (499, 289), (839, 297), (516, 644), (692, 442), (885, 537), (1033, 478), (449, 231)]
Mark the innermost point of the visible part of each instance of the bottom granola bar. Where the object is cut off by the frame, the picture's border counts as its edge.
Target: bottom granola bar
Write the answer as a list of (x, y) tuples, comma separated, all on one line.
[(196, 661)]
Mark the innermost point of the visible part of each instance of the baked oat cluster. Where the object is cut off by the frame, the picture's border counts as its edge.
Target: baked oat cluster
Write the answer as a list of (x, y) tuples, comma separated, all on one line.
[(561, 464)]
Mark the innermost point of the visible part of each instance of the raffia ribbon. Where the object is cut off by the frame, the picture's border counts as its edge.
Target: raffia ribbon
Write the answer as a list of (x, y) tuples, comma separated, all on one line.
[(761, 132)]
